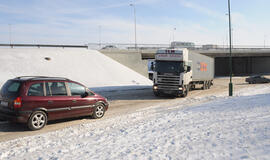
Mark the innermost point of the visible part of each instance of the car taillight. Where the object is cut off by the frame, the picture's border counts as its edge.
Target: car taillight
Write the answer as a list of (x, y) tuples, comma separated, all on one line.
[(18, 102)]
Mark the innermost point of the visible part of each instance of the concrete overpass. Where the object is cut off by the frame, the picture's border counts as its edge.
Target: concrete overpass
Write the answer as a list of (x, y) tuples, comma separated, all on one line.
[(236, 52), (245, 61)]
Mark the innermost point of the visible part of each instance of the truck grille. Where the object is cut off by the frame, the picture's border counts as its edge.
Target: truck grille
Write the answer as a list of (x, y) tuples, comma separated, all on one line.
[(166, 82)]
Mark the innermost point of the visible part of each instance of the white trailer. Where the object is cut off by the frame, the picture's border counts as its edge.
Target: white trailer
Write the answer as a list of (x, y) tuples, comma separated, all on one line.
[(176, 71)]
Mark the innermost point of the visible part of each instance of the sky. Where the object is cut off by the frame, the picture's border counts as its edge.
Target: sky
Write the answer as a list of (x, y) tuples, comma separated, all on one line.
[(112, 21)]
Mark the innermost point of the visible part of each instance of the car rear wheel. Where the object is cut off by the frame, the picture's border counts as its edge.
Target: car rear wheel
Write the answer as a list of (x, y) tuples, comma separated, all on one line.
[(37, 120), (99, 111)]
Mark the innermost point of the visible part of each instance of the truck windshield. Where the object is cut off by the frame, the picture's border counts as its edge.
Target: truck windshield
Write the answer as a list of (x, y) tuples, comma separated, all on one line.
[(169, 67)]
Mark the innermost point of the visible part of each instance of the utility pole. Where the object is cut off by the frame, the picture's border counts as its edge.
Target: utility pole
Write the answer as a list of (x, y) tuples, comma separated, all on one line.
[(230, 58), (134, 9), (174, 29)]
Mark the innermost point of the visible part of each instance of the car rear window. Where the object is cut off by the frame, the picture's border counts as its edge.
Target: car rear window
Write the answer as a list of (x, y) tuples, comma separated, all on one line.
[(11, 88)]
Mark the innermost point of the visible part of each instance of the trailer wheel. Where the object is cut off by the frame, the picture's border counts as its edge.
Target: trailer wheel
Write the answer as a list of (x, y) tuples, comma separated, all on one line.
[(209, 84), (204, 85)]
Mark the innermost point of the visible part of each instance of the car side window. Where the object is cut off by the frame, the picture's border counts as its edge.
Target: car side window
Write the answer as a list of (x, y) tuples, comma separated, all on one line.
[(76, 89), (36, 90), (56, 89)]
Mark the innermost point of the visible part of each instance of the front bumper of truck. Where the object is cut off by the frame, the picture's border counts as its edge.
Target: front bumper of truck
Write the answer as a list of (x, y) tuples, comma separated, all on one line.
[(167, 90)]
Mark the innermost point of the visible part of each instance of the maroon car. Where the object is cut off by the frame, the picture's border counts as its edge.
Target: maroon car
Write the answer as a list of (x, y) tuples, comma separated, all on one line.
[(35, 100)]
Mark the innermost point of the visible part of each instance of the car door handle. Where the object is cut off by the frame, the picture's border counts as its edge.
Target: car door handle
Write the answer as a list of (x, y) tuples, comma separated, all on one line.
[(74, 101), (50, 102)]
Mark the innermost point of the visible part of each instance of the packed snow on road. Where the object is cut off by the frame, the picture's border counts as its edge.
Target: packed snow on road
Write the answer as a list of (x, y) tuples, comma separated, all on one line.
[(216, 127)]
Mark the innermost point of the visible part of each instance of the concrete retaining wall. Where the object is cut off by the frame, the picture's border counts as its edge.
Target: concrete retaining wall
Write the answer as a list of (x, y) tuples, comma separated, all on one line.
[(131, 59), (89, 67)]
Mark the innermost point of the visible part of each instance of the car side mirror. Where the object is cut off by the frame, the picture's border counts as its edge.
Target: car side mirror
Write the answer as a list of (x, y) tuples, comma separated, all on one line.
[(84, 95)]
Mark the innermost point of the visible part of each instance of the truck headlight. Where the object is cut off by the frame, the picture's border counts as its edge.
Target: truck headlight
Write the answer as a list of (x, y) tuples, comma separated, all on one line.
[(155, 87), (180, 88)]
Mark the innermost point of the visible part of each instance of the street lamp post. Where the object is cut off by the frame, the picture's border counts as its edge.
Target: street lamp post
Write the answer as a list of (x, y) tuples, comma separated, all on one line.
[(264, 40), (230, 59), (135, 34)]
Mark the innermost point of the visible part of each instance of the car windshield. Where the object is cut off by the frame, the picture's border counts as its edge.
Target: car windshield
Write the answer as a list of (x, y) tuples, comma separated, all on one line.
[(169, 67), (11, 88)]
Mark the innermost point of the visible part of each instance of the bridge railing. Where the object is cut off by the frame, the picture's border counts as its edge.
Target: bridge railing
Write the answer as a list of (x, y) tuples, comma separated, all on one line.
[(130, 46)]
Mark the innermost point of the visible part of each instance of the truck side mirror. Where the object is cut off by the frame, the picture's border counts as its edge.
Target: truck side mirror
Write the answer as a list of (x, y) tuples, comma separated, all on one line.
[(188, 68), (152, 66)]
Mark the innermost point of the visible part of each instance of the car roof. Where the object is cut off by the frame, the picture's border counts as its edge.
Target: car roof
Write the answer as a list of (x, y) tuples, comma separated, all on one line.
[(31, 78)]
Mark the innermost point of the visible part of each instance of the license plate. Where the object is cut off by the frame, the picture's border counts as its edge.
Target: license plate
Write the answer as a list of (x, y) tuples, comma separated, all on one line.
[(4, 104), (168, 92)]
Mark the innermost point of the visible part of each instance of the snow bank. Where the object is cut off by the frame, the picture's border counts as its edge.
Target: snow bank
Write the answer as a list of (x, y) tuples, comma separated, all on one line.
[(86, 66), (222, 128)]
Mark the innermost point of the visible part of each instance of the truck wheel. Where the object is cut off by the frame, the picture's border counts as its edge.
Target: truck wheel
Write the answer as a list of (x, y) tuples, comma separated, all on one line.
[(185, 91), (192, 87), (37, 120), (157, 94)]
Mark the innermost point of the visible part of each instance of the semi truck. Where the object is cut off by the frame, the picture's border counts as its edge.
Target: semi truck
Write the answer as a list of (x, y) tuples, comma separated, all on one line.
[(177, 71)]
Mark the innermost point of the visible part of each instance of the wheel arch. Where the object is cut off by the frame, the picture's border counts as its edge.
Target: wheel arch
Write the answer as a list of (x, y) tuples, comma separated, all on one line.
[(101, 102), (40, 109)]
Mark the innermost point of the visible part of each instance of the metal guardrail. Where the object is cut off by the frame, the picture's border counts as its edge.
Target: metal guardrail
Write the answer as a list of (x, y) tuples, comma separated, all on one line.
[(43, 45), (131, 46)]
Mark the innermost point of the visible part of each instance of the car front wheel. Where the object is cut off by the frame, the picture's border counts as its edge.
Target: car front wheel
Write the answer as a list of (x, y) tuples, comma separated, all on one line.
[(99, 111), (37, 120)]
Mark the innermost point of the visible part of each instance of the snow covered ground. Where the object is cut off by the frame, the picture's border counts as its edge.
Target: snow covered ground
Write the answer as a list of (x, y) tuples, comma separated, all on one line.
[(216, 127), (89, 67)]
